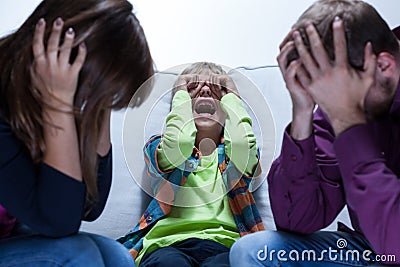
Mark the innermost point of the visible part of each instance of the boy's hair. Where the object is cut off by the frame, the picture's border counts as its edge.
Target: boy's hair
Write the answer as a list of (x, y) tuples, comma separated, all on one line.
[(362, 24), (199, 67)]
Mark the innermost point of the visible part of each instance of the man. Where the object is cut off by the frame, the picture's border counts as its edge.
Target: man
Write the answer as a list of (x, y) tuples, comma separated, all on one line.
[(342, 56)]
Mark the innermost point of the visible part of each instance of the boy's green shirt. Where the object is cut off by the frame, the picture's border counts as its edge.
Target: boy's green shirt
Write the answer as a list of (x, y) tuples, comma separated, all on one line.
[(202, 208)]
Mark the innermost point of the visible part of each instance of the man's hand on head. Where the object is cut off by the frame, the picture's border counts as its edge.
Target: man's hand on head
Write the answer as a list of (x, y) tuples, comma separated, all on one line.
[(338, 89), (302, 102)]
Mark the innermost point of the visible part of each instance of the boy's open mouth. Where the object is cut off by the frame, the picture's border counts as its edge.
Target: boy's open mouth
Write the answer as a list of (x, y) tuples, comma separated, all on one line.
[(205, 106)]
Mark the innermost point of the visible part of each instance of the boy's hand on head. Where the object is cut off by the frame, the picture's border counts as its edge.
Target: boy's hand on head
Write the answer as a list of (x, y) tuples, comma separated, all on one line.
[(338, 89), (222, 85), (228, 85), (184, 80), (189, 83)]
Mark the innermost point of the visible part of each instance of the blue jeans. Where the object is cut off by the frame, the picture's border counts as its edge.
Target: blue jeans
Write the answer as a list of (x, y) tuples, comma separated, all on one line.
[(82, 249), (274, 248), (188, 253)]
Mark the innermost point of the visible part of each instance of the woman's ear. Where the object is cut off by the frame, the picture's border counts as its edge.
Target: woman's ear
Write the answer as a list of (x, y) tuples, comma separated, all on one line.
[(386, 64)]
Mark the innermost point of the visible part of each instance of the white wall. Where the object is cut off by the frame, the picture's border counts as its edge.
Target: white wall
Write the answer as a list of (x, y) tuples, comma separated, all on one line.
[(229, 32)]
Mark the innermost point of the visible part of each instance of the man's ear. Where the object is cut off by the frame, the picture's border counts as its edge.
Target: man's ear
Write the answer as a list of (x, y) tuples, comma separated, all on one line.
[(386, 64)]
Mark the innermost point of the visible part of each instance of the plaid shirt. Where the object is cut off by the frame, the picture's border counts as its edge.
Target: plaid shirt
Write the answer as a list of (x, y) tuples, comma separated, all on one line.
[(242, 204)]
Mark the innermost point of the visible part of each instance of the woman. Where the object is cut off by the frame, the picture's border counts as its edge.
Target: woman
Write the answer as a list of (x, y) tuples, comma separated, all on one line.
[(61, 74)]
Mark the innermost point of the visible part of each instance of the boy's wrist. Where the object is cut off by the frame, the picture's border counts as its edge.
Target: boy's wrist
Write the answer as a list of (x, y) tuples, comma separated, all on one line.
[(231, 103), (180, 98)]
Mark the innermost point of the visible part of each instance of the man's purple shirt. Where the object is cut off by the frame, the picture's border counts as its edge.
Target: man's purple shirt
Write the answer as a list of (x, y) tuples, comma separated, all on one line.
[(313, 179)]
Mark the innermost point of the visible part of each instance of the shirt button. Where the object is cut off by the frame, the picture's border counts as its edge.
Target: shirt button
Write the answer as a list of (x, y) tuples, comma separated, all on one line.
[(149, 218), (293, 157), (191, 165)]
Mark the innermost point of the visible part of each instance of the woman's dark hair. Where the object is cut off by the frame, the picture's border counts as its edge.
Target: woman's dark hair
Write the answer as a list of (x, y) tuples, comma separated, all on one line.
[(118, 61)]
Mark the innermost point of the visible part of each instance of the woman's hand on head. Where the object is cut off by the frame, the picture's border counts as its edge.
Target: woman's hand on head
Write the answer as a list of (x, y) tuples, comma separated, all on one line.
[(52, 72)]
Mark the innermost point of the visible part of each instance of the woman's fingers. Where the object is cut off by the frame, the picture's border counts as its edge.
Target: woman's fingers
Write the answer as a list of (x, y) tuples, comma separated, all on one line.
[(80, 59), (38, 46), (66, 47), (54, 41), (52, 72)]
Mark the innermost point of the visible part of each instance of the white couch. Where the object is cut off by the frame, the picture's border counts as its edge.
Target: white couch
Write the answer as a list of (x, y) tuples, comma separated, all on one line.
[(127, 201)]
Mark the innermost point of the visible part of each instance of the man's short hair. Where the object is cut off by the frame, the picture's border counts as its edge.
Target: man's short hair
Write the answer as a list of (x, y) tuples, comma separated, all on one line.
[(362, 24)]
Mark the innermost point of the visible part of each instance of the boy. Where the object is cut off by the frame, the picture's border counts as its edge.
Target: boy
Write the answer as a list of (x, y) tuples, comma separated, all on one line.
[(202, 167)]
